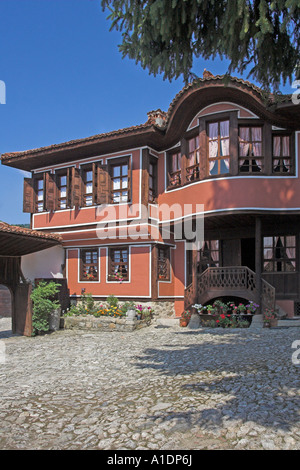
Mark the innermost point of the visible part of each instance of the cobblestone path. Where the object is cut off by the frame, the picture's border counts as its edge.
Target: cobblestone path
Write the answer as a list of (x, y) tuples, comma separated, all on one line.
[(157, 388)]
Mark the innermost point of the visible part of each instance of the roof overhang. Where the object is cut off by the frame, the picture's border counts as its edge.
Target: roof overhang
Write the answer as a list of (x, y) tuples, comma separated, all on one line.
[(275, 109), (18, 241)]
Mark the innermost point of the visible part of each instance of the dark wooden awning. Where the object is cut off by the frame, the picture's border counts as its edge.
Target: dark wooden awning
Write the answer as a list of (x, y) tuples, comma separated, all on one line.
[(19, 241)]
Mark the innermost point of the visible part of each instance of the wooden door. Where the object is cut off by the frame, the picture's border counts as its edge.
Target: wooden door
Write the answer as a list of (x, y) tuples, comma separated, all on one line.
[(231, 252)]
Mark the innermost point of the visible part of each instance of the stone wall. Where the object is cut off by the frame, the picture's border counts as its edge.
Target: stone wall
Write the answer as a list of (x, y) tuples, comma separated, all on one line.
[(105, 323)]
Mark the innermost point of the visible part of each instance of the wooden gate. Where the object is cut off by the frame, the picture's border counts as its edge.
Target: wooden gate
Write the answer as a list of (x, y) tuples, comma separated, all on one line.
[(22, 310)]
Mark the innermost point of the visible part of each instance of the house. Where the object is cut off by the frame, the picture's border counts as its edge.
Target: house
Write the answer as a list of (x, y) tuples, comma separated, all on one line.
[(224, 156)]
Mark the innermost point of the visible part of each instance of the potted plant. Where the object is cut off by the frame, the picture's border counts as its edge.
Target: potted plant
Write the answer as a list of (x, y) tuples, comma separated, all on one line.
[(210, 309), (185, 318), (270, 318), (241, 309), (251, 307), (199, 308)]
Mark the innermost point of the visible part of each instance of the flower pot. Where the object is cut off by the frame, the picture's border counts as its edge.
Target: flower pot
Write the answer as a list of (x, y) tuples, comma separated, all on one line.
[(273, 322), (248, 312), (266, 324), (183, 322)]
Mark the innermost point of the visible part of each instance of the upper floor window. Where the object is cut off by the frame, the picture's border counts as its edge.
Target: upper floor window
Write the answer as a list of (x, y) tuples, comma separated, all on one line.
[(62, 191), (193, 159), (174, 172), (209, 255), (218, 148), (119, 181), (87, 180), (280, 254), (281, 155), (152, 180), (40, 194), (250, 149)]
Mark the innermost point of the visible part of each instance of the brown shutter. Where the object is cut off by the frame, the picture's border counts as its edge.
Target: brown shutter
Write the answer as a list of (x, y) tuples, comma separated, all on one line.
[(29, 196), (76, 188), (103, 185), (95, 181), (50, 192), (145, 177), (69, 187), (129, 180)]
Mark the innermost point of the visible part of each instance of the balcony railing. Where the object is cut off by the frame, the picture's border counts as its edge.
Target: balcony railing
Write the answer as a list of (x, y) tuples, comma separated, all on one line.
[(237, 281)]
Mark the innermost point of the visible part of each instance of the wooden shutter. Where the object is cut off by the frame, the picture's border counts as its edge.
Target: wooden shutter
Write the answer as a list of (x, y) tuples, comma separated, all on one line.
[(76, 188), (95, 181), (29, 196), (129, 180), (145, 176), (50, 192), (103, 185)]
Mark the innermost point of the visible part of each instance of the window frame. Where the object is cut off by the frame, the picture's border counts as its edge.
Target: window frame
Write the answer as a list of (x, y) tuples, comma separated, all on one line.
[(174, 176), (291, 157), (85, 169), (37, 179), (111, 275), (252, 125), (163, 263), (153, 190), (65, 172), (218, 121), (84, 264), (120, 162), (279, 260)]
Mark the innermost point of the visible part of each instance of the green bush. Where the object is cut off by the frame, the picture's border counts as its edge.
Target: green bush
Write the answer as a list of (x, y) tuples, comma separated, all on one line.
[(43, 305)]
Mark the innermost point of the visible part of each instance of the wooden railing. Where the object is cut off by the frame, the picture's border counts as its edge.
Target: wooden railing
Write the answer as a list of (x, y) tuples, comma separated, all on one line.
[(237, 281)]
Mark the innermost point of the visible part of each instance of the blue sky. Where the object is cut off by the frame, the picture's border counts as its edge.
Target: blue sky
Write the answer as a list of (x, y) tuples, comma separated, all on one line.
[(65, 79)]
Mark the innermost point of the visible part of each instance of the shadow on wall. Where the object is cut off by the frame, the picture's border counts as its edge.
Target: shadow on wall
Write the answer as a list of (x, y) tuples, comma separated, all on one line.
[(5, 302)]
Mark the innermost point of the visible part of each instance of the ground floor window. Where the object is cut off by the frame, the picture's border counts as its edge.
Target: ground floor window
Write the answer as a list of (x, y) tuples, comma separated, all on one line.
[(280, 254), (89, 265), (118, 266), (163, 264)]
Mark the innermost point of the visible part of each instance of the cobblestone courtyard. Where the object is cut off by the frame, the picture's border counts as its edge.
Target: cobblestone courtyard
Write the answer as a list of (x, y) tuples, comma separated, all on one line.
[(157, 388)]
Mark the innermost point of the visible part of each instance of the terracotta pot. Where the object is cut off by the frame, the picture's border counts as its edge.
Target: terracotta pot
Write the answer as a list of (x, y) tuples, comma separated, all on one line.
[(274, 322), (183, 322)]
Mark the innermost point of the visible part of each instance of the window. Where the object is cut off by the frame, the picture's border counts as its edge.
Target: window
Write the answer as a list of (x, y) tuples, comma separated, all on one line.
[(163, 264), (218, 148), (250, 150), (281, 156), (62, 191), (209, 255), (152, 180), (118, 264), (119, 181), (174, 160), (40, 194), (87, 179), (280, 254), (193, 159), (89, 265)]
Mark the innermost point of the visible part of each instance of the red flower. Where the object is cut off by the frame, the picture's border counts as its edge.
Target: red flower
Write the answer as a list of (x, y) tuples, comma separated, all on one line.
[(222, 316), (217, 321)]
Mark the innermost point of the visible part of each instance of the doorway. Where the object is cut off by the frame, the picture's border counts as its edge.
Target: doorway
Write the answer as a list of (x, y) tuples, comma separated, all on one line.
[(5, 311), (248, 253)]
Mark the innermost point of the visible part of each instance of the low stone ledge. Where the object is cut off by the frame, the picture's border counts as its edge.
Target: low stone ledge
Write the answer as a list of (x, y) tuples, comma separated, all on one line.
[(104, 323)]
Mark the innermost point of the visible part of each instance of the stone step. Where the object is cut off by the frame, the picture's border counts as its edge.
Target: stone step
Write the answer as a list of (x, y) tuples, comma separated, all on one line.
[(289, 322)]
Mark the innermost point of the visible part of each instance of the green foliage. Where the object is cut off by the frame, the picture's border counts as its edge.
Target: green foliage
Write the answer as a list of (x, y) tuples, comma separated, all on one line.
[(112, 301), (165, 36), (43, 305)]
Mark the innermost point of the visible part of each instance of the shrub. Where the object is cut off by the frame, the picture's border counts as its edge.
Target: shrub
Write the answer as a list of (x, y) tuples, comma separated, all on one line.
[(43, 305)]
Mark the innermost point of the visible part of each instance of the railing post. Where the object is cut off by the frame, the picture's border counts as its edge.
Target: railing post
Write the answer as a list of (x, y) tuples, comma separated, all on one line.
[(258, 257)]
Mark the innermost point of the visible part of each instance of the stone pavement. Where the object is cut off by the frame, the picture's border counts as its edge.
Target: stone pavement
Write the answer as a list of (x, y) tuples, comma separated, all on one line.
[(157, 388)]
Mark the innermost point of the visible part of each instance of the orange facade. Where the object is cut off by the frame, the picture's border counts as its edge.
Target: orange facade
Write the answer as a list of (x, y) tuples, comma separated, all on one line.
[(206, 182)]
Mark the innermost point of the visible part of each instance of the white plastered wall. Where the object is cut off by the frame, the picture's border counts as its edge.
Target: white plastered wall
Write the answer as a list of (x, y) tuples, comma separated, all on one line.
[(43, 264)]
